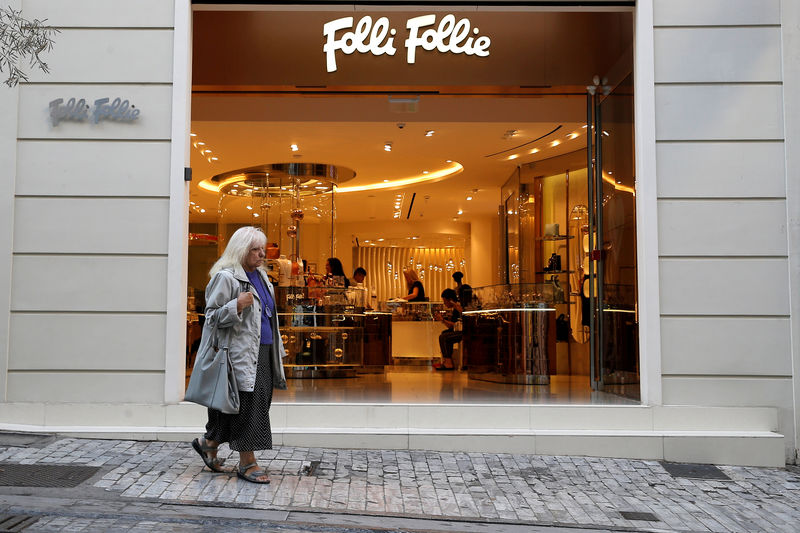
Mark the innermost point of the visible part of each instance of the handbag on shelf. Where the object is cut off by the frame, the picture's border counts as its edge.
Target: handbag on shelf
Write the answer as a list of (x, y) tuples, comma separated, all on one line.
[(562, 328)]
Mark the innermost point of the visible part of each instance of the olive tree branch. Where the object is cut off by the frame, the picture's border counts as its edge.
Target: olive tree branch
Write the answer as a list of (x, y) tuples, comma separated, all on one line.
[(20, 40)]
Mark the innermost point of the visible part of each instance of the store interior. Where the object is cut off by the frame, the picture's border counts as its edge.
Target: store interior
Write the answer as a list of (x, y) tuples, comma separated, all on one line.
[(488, 181)]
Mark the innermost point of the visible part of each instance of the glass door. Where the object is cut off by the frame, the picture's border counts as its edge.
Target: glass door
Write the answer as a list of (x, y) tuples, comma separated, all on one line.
[(610, 284)]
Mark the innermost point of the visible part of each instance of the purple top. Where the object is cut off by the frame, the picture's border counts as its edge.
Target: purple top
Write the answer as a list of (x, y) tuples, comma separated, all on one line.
[(267, 305)]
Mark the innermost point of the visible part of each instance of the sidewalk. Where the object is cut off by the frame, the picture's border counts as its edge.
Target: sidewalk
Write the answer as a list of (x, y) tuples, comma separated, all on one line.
[(561, 491)]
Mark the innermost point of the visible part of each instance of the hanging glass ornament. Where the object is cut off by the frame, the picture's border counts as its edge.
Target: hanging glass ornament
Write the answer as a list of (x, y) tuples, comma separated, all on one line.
[(291, 231), (297, 214)]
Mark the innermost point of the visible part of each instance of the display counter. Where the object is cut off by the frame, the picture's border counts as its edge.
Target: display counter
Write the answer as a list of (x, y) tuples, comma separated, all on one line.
[(506, 338), (415, 332), (326, 335)]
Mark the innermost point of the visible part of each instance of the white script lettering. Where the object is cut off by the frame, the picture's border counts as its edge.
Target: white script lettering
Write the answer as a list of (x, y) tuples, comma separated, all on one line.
[(448, 36), (350, 41), (77, 110)]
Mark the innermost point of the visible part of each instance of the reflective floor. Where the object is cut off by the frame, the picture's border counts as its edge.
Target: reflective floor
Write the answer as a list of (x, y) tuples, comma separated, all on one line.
[(445, 387)]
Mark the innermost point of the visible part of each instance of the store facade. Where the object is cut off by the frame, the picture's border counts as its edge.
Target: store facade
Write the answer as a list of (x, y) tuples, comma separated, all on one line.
[(96, 243)]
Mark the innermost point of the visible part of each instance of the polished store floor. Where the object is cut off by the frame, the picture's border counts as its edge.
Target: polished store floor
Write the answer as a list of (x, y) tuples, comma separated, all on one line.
[(430, 386)]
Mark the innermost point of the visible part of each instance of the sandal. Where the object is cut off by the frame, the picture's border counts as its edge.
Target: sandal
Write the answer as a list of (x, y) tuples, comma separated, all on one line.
[(252, 477), (213, 463)]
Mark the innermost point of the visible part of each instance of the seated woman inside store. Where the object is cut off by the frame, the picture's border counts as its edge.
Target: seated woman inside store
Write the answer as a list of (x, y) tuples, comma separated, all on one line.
[(447, 338), (334, 272), (416, 292)]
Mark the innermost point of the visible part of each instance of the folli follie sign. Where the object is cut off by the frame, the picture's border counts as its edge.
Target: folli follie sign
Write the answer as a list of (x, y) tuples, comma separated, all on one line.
[(449, 36), (261, 50)]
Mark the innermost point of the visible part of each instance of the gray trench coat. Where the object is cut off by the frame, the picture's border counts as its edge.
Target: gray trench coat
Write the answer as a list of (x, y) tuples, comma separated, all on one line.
[(242, 332)]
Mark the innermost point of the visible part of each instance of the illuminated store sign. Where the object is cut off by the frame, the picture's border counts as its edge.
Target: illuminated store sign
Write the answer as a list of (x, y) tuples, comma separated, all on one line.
[(378, 39), (77, 110)]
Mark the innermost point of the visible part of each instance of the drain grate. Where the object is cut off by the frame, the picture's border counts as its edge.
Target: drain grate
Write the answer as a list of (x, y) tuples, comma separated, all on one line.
[(639, 515), (66, 476), (311, 468), (695, 471), (16, 522)]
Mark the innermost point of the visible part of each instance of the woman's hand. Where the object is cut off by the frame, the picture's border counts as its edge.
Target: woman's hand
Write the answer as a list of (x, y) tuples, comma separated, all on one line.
[(245, 299)]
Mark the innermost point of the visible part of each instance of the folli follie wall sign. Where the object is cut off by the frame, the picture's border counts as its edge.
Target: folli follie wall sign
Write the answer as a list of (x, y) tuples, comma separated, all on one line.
[(449, 36), (102, 109)]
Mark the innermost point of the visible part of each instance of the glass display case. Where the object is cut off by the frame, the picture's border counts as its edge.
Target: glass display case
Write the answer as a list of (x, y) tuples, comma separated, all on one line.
[(508, 338), (322, 330)]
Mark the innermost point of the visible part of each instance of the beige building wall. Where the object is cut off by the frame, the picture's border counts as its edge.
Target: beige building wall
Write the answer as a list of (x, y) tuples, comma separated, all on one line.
[(89, 210), (722, 205)]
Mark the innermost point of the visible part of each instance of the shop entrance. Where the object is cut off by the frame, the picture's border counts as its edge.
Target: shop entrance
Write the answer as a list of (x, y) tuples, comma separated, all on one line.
[(400, 172)]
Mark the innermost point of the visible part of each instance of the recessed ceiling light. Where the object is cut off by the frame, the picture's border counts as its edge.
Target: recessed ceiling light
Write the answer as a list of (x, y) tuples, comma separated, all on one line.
[(366, 240), (386, 181), (555, 143), (215, 158), (429, 133), (513, 156), (424, 171), (294, 147), (387, 147), (255, 215), (202, 210), (191, 203), (606, 133), (192, 135), (448, 160), (460, 211), (200, 143), (250, 207), (381, 239), (534, 151)]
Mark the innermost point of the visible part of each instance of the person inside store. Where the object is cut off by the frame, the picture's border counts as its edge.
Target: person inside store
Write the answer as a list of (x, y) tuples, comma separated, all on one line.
[(334, 272), (463, 291), (240, 306), (447, 338), (416, 291), (358, 275)]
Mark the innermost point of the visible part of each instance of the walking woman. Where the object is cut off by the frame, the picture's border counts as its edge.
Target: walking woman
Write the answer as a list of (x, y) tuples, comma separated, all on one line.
[(240, 303)]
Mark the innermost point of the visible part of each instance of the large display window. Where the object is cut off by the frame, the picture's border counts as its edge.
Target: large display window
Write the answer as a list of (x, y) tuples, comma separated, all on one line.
[(502, 179)]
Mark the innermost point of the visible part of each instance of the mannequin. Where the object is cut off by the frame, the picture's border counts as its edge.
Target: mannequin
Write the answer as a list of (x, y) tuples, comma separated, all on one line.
[(284, 271)]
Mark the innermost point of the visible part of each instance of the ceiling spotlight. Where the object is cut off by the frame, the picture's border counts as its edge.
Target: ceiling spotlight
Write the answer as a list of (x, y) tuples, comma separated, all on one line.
[(534, 151), (510, 133), (448, 160), (555, 143), (192, 135), (429, 133), (606, 133), (215, 158), (294, 147), (366, 240), (460, 211), (200, 143), (512, 156), (386, 181), (206, 151), (255, 215), (250, 207), (424, 171), (202, 210), (387, 147), (381, 239), (572, 135)]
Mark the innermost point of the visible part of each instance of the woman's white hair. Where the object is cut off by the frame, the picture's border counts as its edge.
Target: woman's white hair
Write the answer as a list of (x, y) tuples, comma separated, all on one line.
[(238, 247)]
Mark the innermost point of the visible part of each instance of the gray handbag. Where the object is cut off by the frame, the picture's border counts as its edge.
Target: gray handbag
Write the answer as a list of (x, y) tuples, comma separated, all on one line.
[(213, 383)]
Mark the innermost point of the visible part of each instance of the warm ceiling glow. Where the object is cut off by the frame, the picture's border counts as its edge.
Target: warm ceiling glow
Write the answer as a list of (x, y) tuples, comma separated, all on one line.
[(608, 179), (572, 135), (555, 143), (469, 198), (294, 147), (535, 151), (436, 175), (512, 156)]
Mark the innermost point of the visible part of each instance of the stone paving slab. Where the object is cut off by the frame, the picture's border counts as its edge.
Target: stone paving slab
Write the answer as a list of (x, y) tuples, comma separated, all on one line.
[(563, 490)]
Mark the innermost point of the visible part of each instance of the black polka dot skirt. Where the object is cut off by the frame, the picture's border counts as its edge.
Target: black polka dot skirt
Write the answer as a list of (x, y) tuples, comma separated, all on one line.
[(249, 430)]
